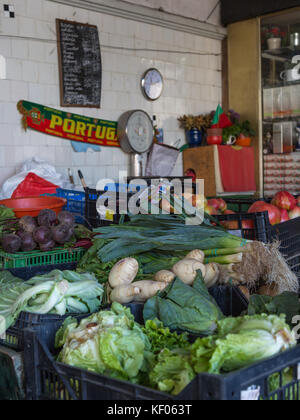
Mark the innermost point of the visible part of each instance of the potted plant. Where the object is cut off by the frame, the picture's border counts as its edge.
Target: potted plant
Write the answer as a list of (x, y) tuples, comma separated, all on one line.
[(274, 36), (230, 134), (195, 127), (246, 134)]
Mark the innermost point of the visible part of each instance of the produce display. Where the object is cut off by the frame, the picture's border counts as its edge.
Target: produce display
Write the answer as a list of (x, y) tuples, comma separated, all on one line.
[(44, 232), (283, 207), (111, 343), (59, 292), (168, 266), (161, 247)]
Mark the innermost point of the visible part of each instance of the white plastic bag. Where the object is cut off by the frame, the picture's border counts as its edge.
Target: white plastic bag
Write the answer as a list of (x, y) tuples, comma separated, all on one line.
[(40, 168)]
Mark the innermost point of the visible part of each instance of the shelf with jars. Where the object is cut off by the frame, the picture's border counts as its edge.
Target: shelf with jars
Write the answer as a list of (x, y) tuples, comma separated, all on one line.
[(280, 83)]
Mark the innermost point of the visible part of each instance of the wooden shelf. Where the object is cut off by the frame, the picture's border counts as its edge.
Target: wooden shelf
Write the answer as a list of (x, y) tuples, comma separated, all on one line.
[(282, 54)]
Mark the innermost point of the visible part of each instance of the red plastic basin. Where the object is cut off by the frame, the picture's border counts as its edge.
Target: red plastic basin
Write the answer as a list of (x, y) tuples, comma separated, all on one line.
[(31, 206)]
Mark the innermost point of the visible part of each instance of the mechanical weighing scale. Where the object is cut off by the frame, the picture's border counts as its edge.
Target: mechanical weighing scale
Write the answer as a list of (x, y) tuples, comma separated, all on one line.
[(135, 134)]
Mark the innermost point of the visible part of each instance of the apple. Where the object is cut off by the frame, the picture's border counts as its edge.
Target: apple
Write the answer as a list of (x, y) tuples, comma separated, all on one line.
[(284, 215), (218, 203), (293, 214), (234, 224), (261, 206), (230, 224), (222, 205), (199, 201), (284, 200), (248, 224), (211, 210)]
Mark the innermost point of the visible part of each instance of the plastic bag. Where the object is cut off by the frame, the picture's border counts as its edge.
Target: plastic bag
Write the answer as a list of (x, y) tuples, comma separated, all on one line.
[(38, 167), (161, 160), (34, 186)]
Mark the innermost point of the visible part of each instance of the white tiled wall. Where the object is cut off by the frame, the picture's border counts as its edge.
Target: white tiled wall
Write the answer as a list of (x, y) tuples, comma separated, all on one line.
[(192, 83), (187, 8)]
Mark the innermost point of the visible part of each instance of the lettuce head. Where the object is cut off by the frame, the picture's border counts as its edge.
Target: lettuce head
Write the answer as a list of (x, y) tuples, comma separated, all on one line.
[(241, 342)]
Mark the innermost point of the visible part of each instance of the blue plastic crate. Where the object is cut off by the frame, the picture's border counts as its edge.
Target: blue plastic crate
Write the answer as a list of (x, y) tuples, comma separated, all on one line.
[(75, 202)]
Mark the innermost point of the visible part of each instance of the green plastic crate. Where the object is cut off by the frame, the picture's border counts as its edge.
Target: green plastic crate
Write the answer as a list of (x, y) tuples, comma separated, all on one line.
[(36, 258)]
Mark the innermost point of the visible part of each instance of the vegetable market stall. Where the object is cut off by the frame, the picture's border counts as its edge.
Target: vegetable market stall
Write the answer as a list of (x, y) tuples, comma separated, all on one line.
[(128, 260)]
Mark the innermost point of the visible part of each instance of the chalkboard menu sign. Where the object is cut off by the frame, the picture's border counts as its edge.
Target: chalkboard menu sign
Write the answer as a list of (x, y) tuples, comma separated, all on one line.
[(80, 64)]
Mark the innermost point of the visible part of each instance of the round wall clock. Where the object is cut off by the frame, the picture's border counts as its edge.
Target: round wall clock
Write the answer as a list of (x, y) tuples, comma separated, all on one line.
[(152, 84)]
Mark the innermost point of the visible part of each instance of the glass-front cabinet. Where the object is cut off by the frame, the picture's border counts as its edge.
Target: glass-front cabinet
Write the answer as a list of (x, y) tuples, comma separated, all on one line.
[(280, 77)]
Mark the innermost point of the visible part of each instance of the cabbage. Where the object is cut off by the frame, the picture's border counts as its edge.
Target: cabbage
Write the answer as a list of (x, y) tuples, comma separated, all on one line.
[(58, 292), (185, 308), (109, 342), (241, 342)]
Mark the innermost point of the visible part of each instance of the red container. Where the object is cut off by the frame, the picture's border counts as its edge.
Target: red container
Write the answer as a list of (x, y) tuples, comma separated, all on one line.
[(31, 206), (214, 140), (214, 136)]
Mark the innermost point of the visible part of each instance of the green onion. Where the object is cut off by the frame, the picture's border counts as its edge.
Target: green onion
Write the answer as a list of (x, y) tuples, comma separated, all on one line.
[(225, 251), (225, 259)]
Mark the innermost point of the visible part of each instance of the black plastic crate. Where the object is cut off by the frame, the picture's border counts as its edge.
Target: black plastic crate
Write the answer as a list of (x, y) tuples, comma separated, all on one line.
[(44, 325), (252, 226), (287, 233), (49, 380), (91, 214), (242, 205), (257, 379), (57, 381), (122, 193)]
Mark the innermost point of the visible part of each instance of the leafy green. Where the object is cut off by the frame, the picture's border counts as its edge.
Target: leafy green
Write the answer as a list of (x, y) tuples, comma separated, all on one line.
[(58, 292), (82, 232), (6, 213), (68, 325), (109, 342), (162, 338), (287, 303), (7, 218), (172, 372), (185, 308), (239, 342)]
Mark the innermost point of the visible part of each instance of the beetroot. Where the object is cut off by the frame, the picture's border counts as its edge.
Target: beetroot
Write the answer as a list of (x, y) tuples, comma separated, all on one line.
[(66, 218), (27, 224), (11, 243), (46, 218), (61, 234), (42, 235), (28, 243)]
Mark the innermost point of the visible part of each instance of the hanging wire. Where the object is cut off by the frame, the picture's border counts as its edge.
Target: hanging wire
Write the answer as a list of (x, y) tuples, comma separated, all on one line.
[(213, 10), (115, 47)]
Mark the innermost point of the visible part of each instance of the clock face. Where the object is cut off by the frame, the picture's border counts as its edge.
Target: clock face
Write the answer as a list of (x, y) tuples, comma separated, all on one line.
[(152, 84), (140, 132)]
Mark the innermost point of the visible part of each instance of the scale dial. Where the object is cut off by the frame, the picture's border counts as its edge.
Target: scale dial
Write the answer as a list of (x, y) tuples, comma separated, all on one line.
[(135, 132), (152, 84)]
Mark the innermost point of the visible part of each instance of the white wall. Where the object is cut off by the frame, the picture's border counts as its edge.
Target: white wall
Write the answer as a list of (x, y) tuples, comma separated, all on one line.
[(192, 83), (196, 9)]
